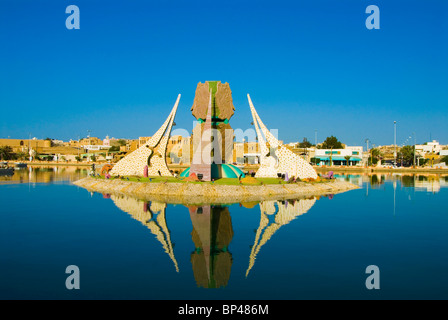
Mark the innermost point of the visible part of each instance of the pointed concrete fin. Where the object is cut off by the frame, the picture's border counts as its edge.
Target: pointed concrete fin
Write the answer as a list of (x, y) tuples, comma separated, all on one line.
[(155, 139), (287, 161), (135, 162), (261, 142), (171, 117), (273, 142)]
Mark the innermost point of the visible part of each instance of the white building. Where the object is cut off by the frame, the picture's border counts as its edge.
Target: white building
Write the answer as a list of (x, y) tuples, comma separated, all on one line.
[(95, 147), (338, 156), (57, 142), (430, 147)]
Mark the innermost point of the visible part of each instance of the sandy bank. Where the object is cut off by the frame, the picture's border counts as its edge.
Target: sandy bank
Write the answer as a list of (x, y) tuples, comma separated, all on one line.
[(189, 193)]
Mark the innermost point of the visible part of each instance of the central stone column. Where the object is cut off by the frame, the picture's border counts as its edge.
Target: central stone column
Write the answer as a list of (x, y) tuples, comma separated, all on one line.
[(212, 135), (202, 147)]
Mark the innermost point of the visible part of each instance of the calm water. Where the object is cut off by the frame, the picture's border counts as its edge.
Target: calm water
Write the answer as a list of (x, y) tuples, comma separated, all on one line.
[(315, 248)]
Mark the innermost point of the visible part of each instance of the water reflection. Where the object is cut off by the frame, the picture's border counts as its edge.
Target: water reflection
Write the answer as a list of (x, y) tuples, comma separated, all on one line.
[(421, 182), (430, 183), (172, 250), (41, 174), (151, 215), (212, 232), (274, 215)]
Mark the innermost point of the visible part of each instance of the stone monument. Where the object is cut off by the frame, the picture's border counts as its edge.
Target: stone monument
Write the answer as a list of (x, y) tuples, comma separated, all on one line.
[(213, 136)]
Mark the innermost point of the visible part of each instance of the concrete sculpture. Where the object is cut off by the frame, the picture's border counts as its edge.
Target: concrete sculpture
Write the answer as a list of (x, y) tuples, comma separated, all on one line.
[(277, 159), (152, 154), (223, 108)]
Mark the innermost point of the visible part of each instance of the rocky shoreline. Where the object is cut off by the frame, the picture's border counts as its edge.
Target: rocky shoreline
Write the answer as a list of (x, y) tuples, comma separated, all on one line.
[(193, 193)]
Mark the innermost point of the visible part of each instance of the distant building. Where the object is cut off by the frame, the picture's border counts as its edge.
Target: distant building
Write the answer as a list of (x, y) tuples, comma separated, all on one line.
[(179, 150), (387, 153), (24, 145), (91, 141), (130, 146), (251, 153), (431, 147), (106, 142), (238, 152), (338, 157), (142, 141), (57, 142), (95, 147)]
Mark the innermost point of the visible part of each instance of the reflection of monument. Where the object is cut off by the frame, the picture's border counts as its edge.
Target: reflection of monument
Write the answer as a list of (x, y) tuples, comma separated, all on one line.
[(152, 215), (278, 158), (213, 135), (152, 154), (272, 219), (212, 234)]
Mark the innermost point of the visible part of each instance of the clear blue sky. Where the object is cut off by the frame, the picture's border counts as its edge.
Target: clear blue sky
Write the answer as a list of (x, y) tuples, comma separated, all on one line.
[(308, 65)]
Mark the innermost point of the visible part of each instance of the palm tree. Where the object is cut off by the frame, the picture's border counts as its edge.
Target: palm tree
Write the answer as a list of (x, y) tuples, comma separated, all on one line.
[(375, 155), (6, 153), (347, 158)]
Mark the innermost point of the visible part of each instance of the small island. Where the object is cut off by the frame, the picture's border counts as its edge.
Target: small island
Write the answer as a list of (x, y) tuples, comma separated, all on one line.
[(222, 191)]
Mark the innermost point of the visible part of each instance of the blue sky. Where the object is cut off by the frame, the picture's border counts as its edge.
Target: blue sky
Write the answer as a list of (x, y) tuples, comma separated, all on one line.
[(308, 65)]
